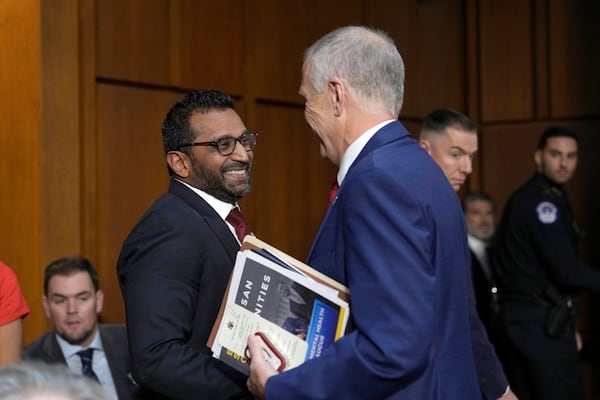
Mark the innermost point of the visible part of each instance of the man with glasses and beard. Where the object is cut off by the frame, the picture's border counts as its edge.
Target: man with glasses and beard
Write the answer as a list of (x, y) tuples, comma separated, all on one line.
[(72, 301), (175, 264)]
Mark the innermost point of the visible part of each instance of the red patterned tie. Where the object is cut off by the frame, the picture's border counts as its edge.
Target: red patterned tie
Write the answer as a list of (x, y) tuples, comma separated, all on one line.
[(239, 223), (333, 191)]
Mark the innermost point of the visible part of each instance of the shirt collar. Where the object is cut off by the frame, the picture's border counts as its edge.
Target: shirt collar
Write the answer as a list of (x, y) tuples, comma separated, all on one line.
[(355, 148), (221, 207), (69, 349), (476, 244)]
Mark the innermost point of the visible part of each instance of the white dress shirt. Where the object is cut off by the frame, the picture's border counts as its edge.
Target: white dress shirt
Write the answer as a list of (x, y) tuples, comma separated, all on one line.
[(99, 362), (221, 207), (479, 248)]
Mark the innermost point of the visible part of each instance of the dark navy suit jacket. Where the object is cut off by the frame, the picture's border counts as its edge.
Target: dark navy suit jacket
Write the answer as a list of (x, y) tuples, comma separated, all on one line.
[(395, 235), (173, 270)]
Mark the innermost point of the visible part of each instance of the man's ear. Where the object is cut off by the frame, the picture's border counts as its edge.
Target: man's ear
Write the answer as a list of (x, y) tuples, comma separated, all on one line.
[(425, 145), (337, 90), (99, 301), (46, 306), (537, 157), (178, 161)]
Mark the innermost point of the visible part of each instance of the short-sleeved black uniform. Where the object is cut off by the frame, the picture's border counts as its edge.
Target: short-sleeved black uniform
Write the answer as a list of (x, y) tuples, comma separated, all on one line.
[(537, 247)]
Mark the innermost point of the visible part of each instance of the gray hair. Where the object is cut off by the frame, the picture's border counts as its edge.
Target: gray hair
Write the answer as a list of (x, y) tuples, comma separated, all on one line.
[(28, 380), (368, 63)]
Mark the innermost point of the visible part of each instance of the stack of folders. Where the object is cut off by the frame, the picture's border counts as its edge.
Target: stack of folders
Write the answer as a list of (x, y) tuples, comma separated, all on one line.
[(297, 311)]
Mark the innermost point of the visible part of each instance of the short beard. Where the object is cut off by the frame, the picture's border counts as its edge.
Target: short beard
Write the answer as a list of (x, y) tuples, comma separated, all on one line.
[(78, 340), (485, 237), (213, 183)]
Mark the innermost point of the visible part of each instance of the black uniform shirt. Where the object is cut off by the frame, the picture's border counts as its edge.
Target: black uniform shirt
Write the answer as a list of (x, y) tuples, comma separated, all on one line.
[(536, 242)]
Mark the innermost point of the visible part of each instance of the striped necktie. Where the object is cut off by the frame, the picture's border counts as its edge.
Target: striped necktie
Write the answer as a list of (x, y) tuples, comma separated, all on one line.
[(86, 363)]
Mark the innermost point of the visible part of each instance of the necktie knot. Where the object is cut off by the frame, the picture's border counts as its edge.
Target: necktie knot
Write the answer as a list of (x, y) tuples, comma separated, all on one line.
[(239, 223), (86, 363)]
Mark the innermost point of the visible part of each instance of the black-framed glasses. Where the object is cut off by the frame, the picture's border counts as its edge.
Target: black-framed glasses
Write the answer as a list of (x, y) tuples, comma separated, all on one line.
[(226, 145)]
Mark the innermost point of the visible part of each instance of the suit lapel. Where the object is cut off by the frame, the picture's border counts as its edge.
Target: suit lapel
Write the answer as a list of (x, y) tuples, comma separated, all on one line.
[(208, 214), (115, 352), (389, 133), (51, 349)]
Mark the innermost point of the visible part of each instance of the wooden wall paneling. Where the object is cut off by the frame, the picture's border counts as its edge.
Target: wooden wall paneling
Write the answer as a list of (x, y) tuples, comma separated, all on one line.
[(574, 58), (541, 51), (212, 41), (412, 126), (274, 47), (506, 60), (327, 15), (290, 182), (20, 150), (133, 40), (131, 173), (431, 38), (60, 182), (277, 34), (435, 69), (87, 107), (399, 20), (472, 61), (471, 91), (507, 160)]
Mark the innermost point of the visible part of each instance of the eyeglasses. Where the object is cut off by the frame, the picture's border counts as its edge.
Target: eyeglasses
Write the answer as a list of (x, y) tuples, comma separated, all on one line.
[(226, 145)]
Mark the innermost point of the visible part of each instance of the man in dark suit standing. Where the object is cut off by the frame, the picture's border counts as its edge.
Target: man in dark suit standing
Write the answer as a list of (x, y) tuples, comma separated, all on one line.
[(72, 301), (479, 214), (450, 138), (394, 235), (175, 264)]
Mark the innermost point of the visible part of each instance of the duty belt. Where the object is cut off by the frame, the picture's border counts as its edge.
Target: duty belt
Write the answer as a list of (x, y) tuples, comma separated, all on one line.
[(537, 298)]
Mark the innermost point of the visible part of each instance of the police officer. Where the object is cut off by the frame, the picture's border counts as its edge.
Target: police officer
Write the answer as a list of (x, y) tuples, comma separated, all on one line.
[(541, 275)]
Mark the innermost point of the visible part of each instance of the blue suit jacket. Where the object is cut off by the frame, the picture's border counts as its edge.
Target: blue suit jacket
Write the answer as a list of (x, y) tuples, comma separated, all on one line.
[(395, 235)]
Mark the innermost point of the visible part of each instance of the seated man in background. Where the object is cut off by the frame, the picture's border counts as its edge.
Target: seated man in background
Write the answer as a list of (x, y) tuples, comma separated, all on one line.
[(479, 214), (13, 309), (72, 301)]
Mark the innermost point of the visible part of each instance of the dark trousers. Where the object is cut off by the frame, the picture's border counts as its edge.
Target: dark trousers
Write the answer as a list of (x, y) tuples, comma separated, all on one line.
[(537, 367), (532, 379)]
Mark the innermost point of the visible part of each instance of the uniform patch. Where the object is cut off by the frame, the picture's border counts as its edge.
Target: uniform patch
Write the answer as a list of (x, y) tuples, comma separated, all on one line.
[(547, 212)]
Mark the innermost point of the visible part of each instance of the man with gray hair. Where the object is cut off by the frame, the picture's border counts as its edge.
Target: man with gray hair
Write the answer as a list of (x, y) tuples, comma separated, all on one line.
[(394, 235)]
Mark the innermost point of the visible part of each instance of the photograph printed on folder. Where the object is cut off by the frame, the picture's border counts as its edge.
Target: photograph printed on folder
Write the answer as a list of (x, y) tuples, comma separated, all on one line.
[(298, 315)]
